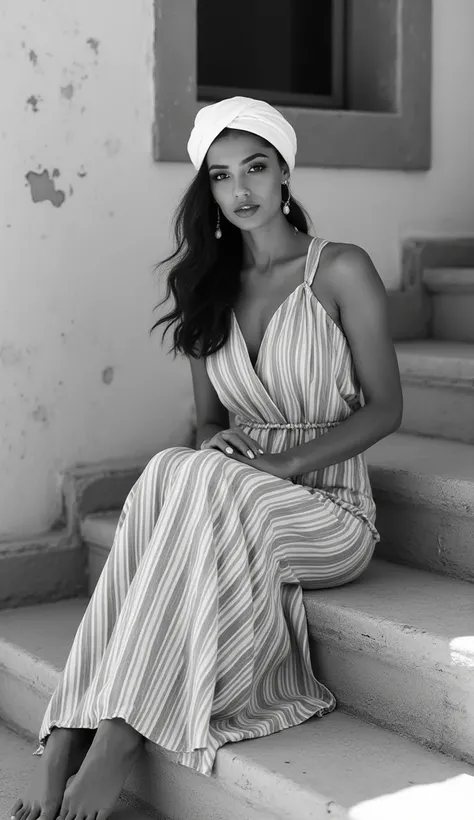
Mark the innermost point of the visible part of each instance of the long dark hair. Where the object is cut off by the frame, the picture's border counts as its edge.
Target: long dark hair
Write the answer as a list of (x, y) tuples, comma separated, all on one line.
[(204, 279)]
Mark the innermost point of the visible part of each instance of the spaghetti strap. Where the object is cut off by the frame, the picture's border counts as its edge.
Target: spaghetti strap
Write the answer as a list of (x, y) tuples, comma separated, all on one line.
[(313, 259)]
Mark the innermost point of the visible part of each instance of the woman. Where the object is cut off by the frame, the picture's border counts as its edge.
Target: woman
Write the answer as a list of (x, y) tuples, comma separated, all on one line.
[(196, 633)]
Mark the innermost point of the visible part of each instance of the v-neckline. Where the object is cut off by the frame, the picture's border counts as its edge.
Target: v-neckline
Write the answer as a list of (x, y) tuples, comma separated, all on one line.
[(273, 316)]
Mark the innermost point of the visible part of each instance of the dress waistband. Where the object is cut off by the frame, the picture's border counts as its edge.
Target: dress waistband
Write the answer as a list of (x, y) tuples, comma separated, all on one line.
[(277, 425)]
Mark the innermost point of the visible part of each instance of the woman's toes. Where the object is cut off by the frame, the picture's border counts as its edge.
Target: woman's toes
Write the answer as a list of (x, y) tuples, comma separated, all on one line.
[(64, 812), (34, 812), (24, 812), (18, 804)]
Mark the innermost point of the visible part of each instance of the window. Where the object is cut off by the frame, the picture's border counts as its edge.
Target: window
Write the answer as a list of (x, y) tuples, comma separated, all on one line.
[(287, 52), (359, 98)]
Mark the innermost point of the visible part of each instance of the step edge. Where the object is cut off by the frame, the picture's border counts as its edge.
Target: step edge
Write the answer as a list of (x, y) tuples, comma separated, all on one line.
[(429, 379), (349, 625), (280, 790), (38, 672), (43, 567), (410, 648), (449, 280), (454, 495)]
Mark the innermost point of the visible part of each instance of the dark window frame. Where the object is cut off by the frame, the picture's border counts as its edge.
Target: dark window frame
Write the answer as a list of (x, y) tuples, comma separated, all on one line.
[(326, 138)]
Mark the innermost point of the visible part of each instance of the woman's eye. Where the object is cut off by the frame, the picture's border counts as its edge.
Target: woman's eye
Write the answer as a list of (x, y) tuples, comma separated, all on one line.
[(222, 175)]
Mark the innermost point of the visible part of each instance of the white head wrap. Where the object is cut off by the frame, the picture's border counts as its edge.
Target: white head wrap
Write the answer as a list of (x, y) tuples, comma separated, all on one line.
[(244, 114)]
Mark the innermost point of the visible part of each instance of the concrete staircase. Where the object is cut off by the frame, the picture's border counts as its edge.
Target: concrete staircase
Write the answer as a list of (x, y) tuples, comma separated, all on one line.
[(343, 765), (396, 647)]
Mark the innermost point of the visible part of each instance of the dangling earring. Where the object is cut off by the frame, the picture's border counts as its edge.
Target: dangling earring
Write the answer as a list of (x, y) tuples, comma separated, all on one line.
[(218, 232), (286, 205)]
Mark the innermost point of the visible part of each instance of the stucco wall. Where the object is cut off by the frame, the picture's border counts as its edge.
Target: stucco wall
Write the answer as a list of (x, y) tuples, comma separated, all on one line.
[(84, 214)]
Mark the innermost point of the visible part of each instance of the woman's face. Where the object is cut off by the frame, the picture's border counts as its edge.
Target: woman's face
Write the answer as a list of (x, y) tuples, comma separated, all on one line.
[(243, 171)]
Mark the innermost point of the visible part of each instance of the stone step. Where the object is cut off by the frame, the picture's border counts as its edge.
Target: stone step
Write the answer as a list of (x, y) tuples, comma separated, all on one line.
[(438, 388), (16, 772), (452, 302), (397, 647), (44, 567), (424, 492), (339, 765)]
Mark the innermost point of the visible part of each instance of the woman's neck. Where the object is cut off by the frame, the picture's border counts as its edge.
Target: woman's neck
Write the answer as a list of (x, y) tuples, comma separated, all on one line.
[(269, 245)]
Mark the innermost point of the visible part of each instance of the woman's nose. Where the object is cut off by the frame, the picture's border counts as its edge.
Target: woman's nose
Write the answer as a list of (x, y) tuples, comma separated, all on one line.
[(240, 190)]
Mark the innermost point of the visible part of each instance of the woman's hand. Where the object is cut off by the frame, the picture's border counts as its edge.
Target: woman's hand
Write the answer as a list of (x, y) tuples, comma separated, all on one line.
[(232, 440), (241, 447)]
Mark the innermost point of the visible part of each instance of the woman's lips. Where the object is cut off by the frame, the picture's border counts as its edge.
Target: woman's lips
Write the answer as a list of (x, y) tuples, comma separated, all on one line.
[(247, 211)]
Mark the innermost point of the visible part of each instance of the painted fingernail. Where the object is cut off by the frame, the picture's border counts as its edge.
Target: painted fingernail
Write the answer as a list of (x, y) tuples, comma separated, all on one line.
[(250, 454), (229, 450), (260, 450)]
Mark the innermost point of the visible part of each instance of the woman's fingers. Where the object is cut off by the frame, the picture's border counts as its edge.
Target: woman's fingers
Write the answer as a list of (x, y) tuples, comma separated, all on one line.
[(233, 442), (245, 445), (230, 441)]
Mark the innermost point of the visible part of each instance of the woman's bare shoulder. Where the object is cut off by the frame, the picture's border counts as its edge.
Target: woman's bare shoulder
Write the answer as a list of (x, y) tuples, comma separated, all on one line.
[(345, 252), (345, 266)]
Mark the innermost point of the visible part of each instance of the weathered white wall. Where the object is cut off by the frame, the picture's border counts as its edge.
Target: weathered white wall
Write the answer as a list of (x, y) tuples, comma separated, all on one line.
[(81, 380)]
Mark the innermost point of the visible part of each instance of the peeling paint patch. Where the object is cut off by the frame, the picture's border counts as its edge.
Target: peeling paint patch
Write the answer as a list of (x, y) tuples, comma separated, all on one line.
[(67, 91), (42, 188), (82, 172), (407, 628), (108, 375), (94, 44), (33, 57), (112, 147), (33, 101), (40, 414)]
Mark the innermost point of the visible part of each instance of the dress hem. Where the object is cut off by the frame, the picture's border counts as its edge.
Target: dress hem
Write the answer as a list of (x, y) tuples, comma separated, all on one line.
[(207, 771)]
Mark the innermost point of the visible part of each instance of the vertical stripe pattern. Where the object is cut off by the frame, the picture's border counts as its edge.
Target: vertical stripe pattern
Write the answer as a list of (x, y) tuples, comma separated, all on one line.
[(196, 632)]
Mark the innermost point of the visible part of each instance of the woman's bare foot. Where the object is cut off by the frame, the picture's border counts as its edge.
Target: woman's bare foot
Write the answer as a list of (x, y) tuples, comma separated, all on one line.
[(97, 786), (62, 757)]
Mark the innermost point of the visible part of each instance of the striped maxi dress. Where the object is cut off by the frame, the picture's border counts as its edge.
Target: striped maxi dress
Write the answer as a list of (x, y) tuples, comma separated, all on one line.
[(196, 633)]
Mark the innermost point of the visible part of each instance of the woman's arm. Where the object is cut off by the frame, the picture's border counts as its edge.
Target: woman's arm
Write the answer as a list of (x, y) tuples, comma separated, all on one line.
[(363, 305)]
